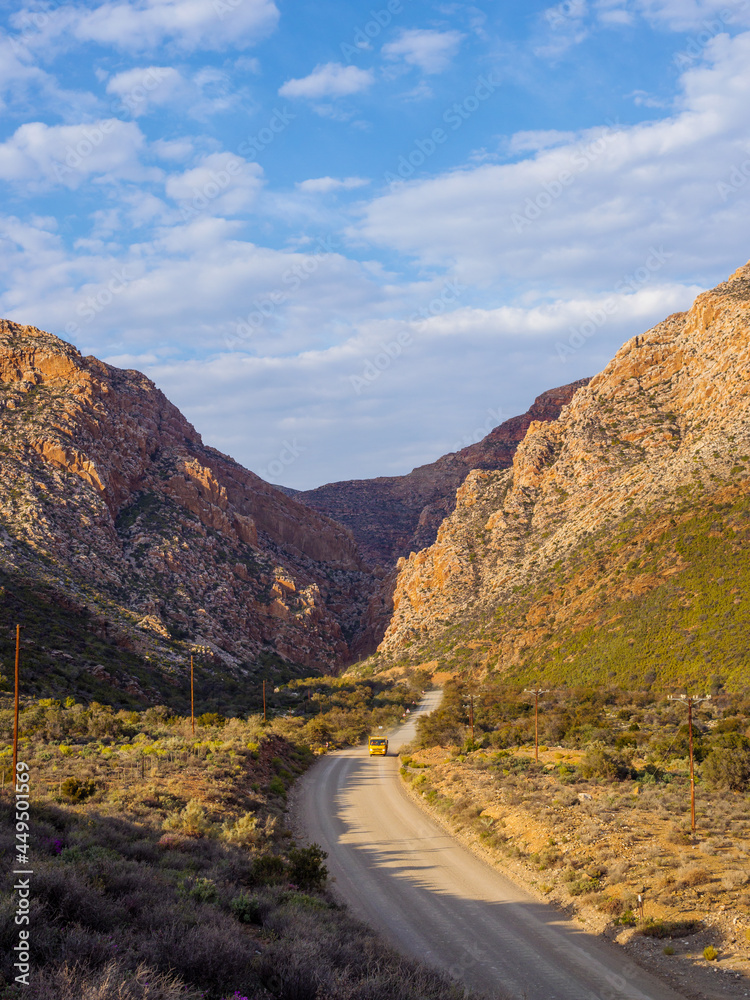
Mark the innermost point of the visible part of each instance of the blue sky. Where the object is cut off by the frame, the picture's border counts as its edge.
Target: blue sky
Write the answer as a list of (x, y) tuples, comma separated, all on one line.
[(347, 238)]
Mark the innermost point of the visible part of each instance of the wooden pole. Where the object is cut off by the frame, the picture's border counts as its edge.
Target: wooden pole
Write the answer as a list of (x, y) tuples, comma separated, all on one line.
[(536, 692), (691, 700), (692, 770), (15, 719), (471, 713), (264, 699), (192, 696)]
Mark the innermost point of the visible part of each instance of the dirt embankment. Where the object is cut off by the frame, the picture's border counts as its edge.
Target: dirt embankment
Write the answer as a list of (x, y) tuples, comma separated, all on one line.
[(591, 849)]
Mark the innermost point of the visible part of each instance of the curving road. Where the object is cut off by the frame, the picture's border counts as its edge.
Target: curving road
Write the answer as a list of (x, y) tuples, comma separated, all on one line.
[(403, 874)]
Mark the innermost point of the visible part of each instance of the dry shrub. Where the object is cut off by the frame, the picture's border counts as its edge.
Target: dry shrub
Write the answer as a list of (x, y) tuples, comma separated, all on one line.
[(618, 871), (112, 982), (734, 878), (175, 842), (243, 830), (212, 954), (694, 876), (611, 906), (66, 893), (191, 821)]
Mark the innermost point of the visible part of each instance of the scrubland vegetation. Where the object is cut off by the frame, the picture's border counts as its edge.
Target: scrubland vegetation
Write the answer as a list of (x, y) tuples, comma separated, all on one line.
[(657, 598), (606, 810), (163, 868)]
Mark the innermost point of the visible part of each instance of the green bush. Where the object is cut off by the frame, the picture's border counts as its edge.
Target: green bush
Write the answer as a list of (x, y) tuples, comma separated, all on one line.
[(78, 789), (601, 762), (246, 908), (670, 928), (728, 764), (211, 719), (306, 867), (267, 869)]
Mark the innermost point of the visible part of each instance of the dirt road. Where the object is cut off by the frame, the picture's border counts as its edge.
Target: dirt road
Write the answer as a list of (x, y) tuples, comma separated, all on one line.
[(404, 875)]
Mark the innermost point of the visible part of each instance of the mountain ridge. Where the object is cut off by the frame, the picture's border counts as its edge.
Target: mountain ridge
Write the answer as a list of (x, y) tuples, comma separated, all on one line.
[(663, 430), (389, 516), (109, 492)]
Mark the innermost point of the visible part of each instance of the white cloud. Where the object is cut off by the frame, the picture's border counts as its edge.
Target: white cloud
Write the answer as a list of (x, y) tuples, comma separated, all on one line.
[(642, 99), (431, 51), (330, 80), (622, 191), (222, 184), (141, 90), (149, 89), (713, 16), (533, 141), (322, 185), (16, 69), (141, 25), (613, 13), (39, 156), (346, 404)]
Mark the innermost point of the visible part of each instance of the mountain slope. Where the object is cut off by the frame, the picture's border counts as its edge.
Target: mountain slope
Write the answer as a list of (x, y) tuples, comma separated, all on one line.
[(109, 496), (392, 516), (622, 526)]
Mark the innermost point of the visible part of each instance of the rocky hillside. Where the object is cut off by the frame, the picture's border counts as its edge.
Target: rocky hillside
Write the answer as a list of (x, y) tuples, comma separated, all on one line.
[(109, 497), (392, 516), (616, 546)]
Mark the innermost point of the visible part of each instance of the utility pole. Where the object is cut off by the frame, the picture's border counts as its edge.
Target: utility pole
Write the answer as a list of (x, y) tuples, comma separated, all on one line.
[(192, 696), (15, 719), (195, 651), (264, 699), (691, 700), (536, 692), (471, 716)]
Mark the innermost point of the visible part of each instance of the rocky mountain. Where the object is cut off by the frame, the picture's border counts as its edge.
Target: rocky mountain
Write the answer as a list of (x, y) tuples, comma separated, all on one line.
[(616, 545), (392, 516), (111, 503)]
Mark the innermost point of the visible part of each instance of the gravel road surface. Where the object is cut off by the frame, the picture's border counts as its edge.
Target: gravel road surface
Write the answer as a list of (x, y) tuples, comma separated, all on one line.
[(399, 871)]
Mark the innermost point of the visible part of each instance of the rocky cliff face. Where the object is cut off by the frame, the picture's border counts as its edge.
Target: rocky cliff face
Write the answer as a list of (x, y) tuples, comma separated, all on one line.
[(109, 495), (660, 433), (392, 516)]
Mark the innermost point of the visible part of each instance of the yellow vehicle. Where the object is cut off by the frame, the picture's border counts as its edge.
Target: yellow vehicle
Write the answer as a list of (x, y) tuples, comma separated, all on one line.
[(378, 744)]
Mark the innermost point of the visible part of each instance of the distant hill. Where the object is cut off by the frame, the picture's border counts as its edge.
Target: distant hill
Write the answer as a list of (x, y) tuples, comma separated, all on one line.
[(392, 516)]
